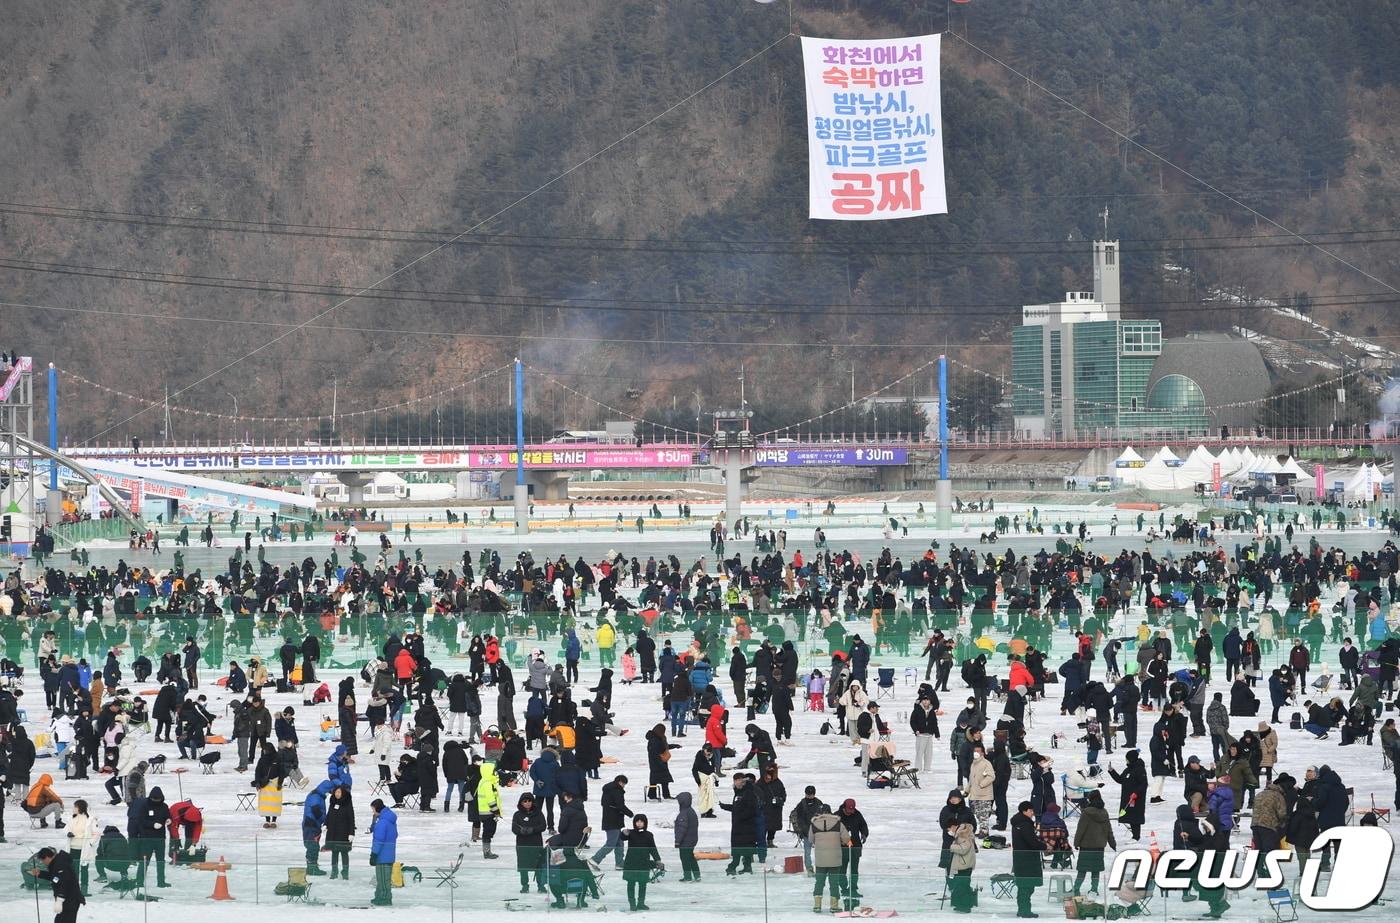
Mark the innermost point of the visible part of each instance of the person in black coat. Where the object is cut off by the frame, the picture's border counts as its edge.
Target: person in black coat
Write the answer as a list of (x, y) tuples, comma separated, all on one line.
[(955, 813), (573, 822), (1197, 835), (743, 826), (761, 749), (340, 829), (58, 871), (146, 821), (528, 824), (237, 679), (428, 776), (858, 832), (615, 813), (738, 674), (639, 862), (646, 657), (163, 712), (1243, 702), (658, 754), (1126, 704), (772, 796), (454, 772), (781, 707), (1132, 802), (1025, 858)]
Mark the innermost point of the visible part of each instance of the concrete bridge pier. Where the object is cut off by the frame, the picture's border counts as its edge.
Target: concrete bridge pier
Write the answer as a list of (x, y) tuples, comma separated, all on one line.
[(893, 478), (355, 482), (540, 485)]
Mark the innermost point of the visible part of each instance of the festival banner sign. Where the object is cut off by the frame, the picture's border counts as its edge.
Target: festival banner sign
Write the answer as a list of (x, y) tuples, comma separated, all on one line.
[(874, 128)]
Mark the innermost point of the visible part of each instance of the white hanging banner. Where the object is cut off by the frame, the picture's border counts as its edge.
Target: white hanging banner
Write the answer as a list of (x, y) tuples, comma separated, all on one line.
[(874, 128)]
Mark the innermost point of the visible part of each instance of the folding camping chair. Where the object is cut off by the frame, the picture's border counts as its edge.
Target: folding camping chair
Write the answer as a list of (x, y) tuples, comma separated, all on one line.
[(1382, 814), (297, 888), (447, 875), (884, 683), (1070, 795), (1284, 907)]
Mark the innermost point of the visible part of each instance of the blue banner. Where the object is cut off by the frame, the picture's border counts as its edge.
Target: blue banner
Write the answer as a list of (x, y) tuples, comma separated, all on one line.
[(854, 457)]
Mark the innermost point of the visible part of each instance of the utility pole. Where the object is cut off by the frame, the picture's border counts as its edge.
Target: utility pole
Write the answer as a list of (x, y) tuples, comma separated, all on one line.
[(335, 387), (697, 411), (169, 434), (743, 404)]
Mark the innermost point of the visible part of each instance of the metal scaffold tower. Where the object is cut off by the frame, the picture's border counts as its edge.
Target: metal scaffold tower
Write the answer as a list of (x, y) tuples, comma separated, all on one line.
[(18, 473)]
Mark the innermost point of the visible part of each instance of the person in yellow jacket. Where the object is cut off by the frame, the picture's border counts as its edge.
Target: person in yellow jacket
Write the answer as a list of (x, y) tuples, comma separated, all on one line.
[(488, 806), (606, 636)]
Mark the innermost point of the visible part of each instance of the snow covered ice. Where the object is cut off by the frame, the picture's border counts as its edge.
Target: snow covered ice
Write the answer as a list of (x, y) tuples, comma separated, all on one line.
[(898, 871)]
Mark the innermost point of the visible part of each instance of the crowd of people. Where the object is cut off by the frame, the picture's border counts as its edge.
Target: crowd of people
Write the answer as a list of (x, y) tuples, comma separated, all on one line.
[(442, 681)]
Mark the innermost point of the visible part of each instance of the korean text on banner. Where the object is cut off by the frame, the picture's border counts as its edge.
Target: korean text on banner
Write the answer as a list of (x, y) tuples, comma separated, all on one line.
[(874, 128)]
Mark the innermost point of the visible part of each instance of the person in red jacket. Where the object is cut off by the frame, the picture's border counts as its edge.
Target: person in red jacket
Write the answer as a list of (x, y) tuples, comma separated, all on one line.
[(1020, 676), (715, 735), (186, 823), (493, 657), (404, 666)]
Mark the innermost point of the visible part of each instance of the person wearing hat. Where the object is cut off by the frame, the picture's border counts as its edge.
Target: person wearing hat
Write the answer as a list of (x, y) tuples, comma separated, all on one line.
[(384, 838), (529, 824), (923, 721), (869, 728), (1025, 858), (1197, 783), (857, 832)]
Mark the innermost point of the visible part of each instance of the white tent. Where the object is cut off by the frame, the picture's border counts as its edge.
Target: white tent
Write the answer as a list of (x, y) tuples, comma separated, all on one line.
[(1266, 464), (1198, 468), (1167, 457), (1127, 459), (1155, 475), (1363, 484), (1247, 459), (1291, 466), (1229, 462)]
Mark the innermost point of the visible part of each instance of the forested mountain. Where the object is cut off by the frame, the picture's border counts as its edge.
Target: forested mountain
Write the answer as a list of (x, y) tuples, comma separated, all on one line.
[(185, 182)]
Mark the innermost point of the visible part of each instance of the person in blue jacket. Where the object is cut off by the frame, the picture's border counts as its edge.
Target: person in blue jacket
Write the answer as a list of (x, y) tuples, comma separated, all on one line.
[(338, 767), (313, 819), (544, 772), (384, 838), (573, 650)]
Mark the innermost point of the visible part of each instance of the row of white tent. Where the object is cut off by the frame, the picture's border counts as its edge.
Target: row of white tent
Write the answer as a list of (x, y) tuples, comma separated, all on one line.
[(1165, 470)]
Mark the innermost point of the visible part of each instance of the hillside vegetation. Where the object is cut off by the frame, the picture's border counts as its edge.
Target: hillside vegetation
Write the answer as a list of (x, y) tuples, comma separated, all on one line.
[(269, 157)]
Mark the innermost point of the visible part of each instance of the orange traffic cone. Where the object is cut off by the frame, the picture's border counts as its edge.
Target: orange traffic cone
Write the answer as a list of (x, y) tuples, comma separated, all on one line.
[(1153, 848), (221, 883)]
